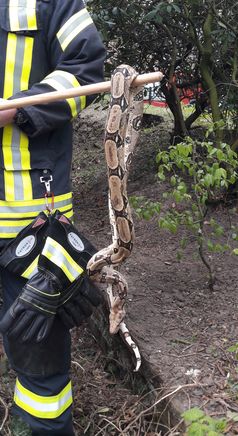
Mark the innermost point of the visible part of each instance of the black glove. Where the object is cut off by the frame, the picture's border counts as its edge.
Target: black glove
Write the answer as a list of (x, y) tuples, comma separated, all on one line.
[(61, 265), (78, 301), (32, 314)]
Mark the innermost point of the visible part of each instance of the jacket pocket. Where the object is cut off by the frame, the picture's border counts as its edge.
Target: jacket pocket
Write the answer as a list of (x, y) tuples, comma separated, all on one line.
[(20, 18)]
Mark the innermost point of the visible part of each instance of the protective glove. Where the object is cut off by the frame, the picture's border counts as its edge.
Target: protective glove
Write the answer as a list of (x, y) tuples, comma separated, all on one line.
[(31, 316), (60, 268), (78, 300)]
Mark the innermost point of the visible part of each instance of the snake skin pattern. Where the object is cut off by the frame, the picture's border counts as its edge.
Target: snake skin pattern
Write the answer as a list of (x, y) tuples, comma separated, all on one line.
[(121, 135)]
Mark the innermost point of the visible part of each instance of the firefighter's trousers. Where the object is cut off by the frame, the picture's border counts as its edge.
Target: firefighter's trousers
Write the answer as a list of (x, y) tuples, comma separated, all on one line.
[(43, 395)]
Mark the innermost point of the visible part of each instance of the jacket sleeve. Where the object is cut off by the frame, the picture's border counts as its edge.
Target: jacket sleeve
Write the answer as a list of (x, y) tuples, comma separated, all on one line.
[(76, 55)]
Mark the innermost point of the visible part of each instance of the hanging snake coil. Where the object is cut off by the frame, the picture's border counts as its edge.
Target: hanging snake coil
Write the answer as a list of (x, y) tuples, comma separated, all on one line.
[(121, 135)]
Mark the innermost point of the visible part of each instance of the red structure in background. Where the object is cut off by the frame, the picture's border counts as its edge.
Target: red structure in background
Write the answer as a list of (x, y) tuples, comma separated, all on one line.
[(154, 97)]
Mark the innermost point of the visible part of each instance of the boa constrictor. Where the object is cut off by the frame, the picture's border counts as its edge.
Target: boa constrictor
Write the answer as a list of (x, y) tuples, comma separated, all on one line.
[(122, 131)]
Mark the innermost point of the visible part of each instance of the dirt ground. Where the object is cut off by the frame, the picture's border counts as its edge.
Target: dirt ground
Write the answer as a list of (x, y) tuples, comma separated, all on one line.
[(182, 328)]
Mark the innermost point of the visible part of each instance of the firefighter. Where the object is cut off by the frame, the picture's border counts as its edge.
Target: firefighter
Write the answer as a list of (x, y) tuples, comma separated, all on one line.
[(46, 45)]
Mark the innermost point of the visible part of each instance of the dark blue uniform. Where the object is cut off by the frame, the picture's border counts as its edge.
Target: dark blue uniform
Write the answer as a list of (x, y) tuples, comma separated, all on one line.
[(46, 45)]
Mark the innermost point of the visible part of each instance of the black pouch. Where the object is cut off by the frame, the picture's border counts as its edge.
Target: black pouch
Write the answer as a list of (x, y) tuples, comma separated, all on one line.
[(19, 254)]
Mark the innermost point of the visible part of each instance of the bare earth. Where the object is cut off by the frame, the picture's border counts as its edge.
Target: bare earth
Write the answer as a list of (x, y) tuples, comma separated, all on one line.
[(179, 324)]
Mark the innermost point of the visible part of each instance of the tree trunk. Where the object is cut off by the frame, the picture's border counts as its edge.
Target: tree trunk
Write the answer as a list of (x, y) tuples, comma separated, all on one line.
[(171, 96)]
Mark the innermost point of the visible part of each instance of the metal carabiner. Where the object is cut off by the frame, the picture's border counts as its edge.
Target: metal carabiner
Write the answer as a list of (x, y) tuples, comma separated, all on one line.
[(47, 179)]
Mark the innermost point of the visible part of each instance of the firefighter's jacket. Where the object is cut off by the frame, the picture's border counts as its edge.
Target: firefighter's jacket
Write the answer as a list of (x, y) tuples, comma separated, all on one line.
[(46, 45)]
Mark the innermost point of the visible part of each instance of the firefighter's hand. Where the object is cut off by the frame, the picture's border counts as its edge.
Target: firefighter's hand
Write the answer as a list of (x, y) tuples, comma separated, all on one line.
[(78, 302), (6, 116), (31, 316)]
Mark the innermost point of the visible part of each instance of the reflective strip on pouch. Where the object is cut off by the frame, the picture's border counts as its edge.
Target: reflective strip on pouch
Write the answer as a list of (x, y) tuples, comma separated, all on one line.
[(15, 144), (43, 407), (71, 29), (22, 15), (60, 257), (13, 212), (61, 80)]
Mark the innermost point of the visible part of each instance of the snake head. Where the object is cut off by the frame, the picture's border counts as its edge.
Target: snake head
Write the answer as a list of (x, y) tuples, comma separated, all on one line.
[(117, 314)]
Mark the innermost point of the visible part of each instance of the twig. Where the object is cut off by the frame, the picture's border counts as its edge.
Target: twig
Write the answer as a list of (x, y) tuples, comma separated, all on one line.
[(109, 423), (6, 413), (179, 388), (77, 364)]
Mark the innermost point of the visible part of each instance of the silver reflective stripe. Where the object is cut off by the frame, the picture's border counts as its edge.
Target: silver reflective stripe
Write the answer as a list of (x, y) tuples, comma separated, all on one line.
[(22, 15), (60, 257), (47, 407), (37, 207), (10, 229), (59, 82), (73, 27)]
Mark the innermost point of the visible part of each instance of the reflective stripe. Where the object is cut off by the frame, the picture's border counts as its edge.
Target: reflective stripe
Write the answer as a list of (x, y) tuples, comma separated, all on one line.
[(61, 80), (22, 15), (31, 270), (41, 406), (15, 144), (18, 209), (12, 230), (73, 27), (10, 212), (60, 257)]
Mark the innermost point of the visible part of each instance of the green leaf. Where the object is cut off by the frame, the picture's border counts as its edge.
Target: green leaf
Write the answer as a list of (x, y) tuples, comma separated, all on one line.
[(220, 154), (233, 348), (193, 414), (235, 251), (196, 429), (173, 180)]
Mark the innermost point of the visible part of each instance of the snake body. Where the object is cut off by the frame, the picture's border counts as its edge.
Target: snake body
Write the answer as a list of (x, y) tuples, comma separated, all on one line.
[(121, 135)]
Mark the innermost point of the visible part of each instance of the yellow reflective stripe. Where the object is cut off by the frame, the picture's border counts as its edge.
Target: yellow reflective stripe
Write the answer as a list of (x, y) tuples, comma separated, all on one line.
[(16, 223), (10, 235), (24, 141), (15, 144), (71, 29), (10, 63), (60, 257), (41, 406), (10, 212), (31, 270), (31, 14), (32, 214), (61, 80), (30, 208), (8, 92), (9, 185), (27, 62), (13, 15), (22, 15)]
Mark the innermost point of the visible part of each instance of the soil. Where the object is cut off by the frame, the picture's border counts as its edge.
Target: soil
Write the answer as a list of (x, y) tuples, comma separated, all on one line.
[(183, 329)]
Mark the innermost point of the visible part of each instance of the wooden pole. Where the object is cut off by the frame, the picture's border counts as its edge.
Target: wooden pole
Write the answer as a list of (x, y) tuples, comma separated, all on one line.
[(95, 88)]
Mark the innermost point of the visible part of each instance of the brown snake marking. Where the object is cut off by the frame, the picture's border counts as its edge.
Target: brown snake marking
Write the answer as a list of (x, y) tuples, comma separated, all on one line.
[(121, 135)]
